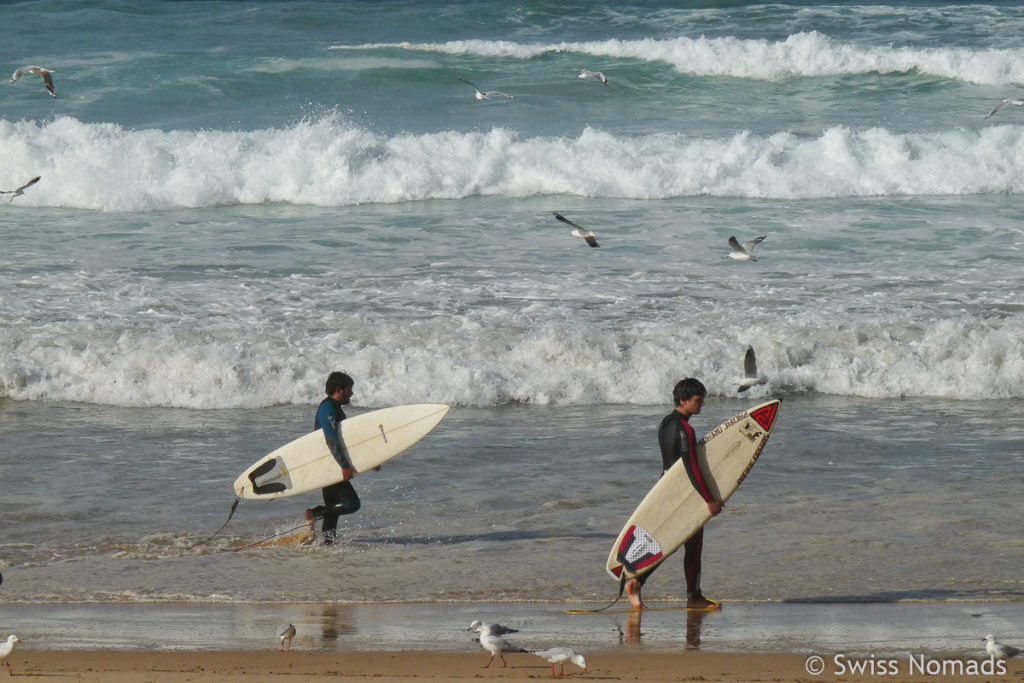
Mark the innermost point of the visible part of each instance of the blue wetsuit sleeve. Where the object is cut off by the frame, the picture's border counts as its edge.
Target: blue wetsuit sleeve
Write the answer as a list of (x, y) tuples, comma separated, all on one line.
[(327, 420)]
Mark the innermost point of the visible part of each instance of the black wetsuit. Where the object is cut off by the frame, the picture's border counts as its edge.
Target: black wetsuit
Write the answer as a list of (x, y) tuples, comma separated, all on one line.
[(679, 442), (339, 499)]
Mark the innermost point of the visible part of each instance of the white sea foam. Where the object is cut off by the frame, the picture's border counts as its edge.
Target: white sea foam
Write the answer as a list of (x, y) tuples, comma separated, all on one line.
[(331, 162), (808, 54), (466, 361)]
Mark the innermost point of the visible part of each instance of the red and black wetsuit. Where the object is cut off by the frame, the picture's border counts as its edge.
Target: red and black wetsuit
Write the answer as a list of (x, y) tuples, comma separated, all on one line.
[(679, 442)]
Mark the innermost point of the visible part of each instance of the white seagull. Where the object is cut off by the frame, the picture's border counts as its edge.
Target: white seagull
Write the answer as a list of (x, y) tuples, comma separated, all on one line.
[(1006, 103), (750, 376), (998, 650), (497, 645), (741, 252), (481, 95), (21, 190), (579, 231), (6, 649), (39, 71), (286, 632), (561, 655), (483, 627), (592, 74)]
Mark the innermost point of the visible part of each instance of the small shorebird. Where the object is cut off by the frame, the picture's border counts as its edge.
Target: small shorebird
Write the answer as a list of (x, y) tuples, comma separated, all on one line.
[(592, 74), (39, 71), (579, 231), (1006, 103), (481, 95), (561, 655), (286, 632), (741, 252), (497, 645), (6, 649), (483, 627), (21, 190), (750, 375), (998, 650)]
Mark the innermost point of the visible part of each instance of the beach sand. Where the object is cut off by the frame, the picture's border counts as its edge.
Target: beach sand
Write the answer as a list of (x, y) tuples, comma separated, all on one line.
[(296, 667)]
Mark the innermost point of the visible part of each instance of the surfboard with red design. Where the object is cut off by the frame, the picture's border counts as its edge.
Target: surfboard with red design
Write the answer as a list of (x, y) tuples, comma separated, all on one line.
[(673, 510)]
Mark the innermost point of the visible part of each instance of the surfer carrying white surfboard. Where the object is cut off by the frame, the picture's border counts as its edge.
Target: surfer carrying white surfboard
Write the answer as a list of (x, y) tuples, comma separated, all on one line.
[(339, 498), (679, 442)]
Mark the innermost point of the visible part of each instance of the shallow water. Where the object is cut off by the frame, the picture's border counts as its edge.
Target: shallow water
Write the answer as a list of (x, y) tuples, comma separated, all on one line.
[(291, 189)]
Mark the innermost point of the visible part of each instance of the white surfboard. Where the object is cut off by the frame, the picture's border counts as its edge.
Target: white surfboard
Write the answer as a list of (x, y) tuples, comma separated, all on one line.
[(306, 464), (673, 510)]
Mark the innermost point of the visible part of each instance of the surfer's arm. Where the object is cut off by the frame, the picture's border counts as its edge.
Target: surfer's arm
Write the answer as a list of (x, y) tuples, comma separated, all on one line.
[(331, 429), (693, 470)]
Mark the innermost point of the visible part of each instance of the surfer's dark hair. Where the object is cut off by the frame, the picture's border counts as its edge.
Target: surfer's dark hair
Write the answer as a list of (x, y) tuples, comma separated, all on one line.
[(338, 380), (686, 389)]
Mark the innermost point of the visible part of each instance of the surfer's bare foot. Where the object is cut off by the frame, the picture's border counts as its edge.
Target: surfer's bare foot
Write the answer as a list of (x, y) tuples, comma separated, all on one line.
[(633, 592), (700, 602)]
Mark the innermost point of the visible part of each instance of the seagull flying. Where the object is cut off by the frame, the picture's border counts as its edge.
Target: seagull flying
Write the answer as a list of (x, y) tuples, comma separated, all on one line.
[(6, 648), (480, 95), (741, 252), (561, 655), (21, 190), (592, 74), (483, 627), (579, 231), (38, 70), (750, 376), (497, 645), (998, 650), (286, 632), (1006, 103)]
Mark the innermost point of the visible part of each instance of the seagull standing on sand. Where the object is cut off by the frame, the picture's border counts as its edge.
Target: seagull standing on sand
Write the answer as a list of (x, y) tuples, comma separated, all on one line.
[(497, 645), (21, 190), (286, 632), (741, 252), (579, 231), (483, 627), (6, 649), (1006, 103), (39, 71), (750, 375), (998, 650), (481, 95), (592, 74), (561, 655)]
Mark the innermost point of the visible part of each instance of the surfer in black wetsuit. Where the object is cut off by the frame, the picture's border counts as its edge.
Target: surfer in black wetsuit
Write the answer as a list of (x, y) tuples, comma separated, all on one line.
[(340, 498), (679, 442)]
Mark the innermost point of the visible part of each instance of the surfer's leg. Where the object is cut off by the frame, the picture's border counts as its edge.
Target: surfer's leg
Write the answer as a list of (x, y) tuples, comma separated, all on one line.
[(339, 499), (691, 564)]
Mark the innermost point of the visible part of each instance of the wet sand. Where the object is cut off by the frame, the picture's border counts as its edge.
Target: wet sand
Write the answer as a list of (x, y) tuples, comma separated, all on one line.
[(199, 667)]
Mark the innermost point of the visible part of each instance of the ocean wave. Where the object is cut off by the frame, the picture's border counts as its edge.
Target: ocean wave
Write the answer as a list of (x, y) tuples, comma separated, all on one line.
[(807, 54), (456, 362), (332, 162)]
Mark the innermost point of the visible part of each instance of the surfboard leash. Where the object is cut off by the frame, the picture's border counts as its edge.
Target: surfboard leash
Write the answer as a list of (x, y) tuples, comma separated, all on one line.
[(622, 586), (270, 538), (211, 536)]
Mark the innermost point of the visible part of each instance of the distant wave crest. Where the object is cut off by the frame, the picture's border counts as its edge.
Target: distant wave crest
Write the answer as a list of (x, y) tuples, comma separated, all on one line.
[(807, 54), (332, 162)]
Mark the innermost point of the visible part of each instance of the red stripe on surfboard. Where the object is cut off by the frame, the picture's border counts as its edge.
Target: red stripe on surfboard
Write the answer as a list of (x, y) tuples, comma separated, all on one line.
[(766, 416)]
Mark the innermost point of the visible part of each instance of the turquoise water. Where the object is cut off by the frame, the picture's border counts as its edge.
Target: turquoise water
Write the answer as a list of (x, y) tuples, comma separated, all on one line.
[(237, 198)]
